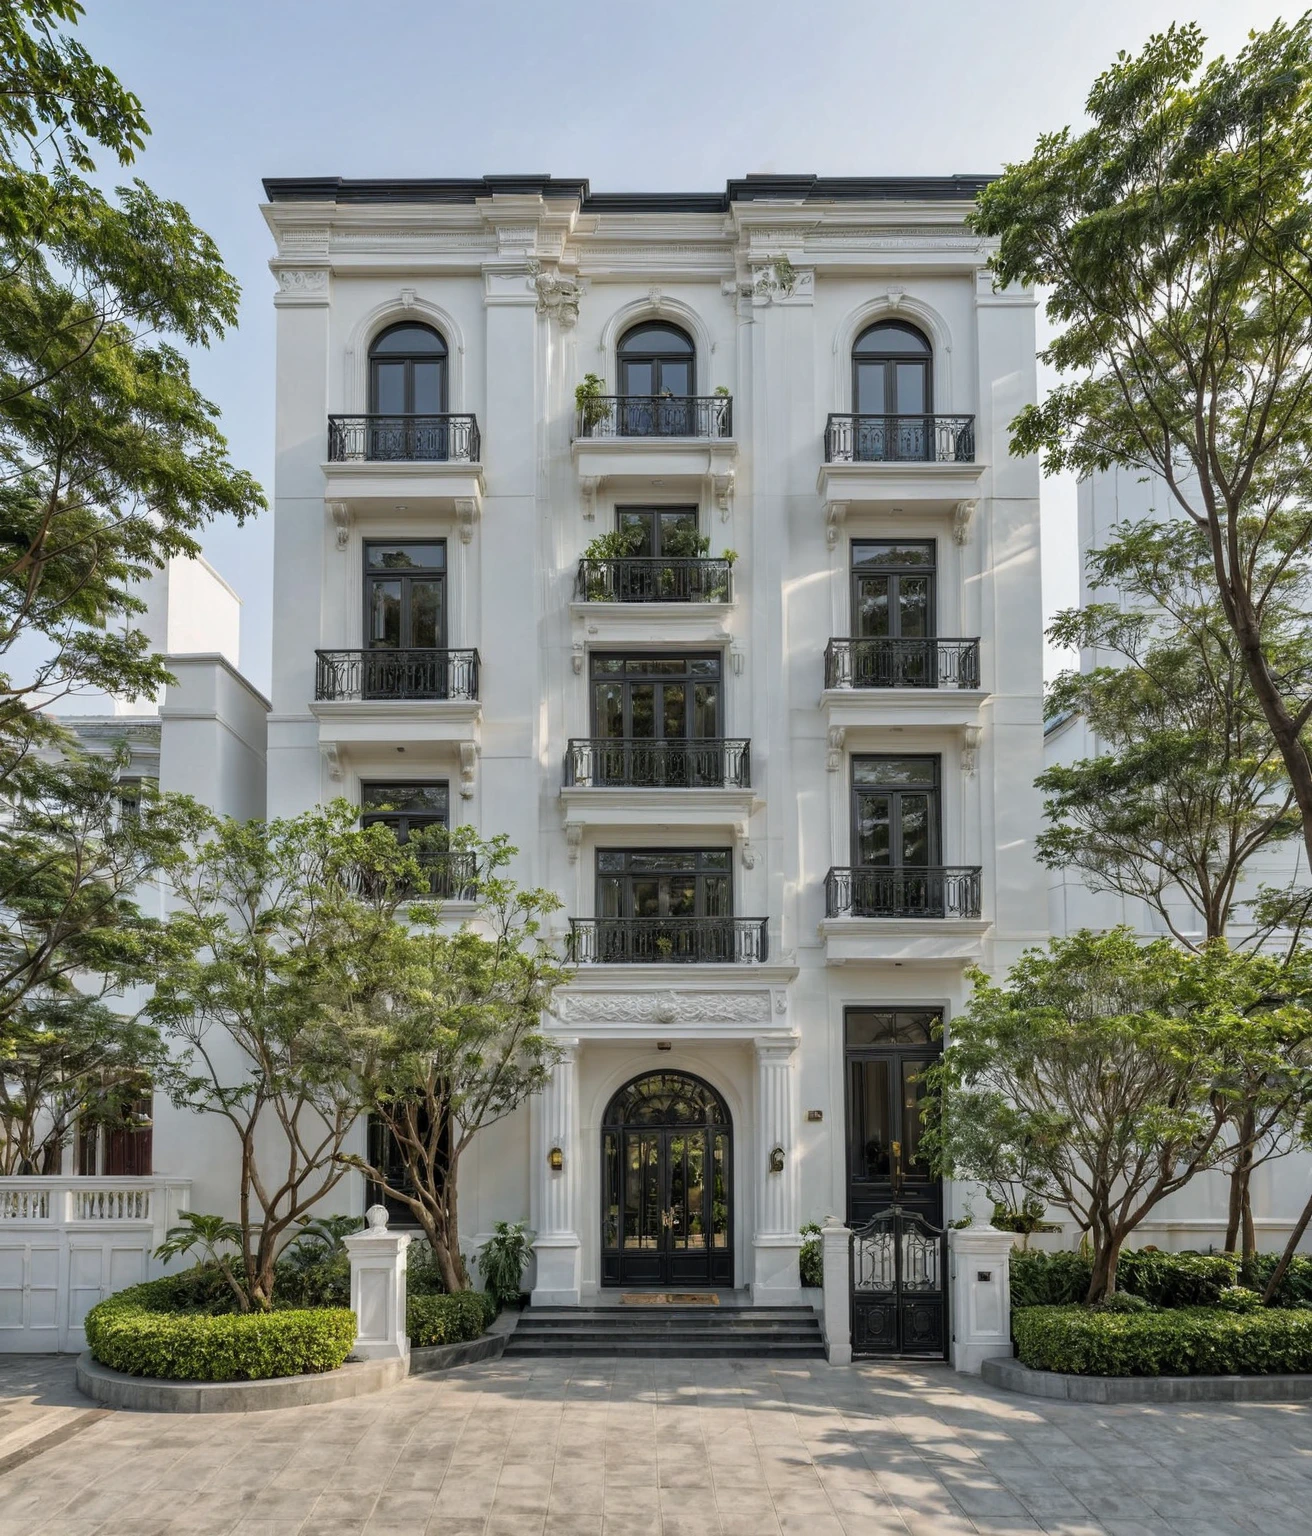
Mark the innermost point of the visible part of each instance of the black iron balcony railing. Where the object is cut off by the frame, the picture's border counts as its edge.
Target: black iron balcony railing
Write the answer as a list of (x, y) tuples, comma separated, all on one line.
[(447, 875), (676, 940), (709, 763), (403, 439), (426, 674), (656, 416), (864, 891), (633, 580), (896, 663), (852, 439)]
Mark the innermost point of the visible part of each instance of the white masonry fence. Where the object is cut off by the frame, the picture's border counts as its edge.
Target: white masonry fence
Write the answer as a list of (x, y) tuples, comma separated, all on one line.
[(67, 1243)]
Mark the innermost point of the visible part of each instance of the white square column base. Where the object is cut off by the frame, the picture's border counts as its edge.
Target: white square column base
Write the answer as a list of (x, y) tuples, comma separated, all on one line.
[(777, 1280), (559, 1263)]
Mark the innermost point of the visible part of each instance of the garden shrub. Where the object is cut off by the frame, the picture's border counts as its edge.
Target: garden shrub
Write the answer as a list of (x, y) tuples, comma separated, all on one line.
[(148, 1330), (448, 1319), (811, 1257), (1238, 1298), (1190, 1341), (1295, 1286), (1164, 1279)]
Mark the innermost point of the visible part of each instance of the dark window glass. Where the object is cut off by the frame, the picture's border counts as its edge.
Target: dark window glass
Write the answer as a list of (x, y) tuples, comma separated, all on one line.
[(657, 531), (895, 812), (871, 1026), (664, 883), (656, 359), (893, 590), (667, 1098), (405, 596), (405, 806), (891, 371), (661, 698), (407, 372)]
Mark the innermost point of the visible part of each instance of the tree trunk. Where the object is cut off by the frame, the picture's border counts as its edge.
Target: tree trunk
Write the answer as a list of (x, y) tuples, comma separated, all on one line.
[(1237, 1179), (1240, 1178), (1250, 1231), (1106, 1256), (1291, 1247)]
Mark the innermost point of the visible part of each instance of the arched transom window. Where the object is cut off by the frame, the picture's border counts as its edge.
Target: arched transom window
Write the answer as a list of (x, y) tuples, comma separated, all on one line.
[(667, 1098), (657, 359), (408, 372), (891, 372)]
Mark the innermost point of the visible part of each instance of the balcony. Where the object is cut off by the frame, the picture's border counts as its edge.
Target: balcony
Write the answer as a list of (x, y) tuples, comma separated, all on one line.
[(447, 875), (371, 702), (609, 416), (403, 439), (897, 464), (391, 675), (668, 940), (884, 662), (903, 915), (604, 763), (852, 439), (655, 439), (635, 580), (414, 466)]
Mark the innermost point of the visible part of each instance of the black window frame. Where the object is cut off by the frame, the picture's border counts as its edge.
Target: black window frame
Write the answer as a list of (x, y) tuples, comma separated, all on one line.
[(894, 573), (934, 790), (689, 678), (656, 511), (889, 358), (427, 573), (626, 355), (401, 822), (701, 874), (441, 355)]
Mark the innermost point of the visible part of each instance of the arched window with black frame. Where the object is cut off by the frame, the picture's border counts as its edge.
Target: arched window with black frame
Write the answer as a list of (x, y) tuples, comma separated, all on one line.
[(892, 393), (657, 365), (408, 394)]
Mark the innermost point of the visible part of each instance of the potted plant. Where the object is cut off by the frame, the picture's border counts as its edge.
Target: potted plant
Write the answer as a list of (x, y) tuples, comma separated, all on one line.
[(503, 1259), (591, 403), (620, 544)]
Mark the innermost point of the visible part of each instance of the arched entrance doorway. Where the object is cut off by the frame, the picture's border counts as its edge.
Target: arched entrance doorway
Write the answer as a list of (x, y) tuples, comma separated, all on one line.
[(666, 1176)]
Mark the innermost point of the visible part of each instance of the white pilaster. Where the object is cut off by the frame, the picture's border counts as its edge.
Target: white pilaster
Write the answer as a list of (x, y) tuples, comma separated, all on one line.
[(836, 1255), (557, 1246), (777, 1243)]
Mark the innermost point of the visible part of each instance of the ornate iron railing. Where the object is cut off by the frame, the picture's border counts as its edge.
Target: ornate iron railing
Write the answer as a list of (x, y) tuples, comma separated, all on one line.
[(632, 580), (405, 439), (658, 940), (710, 763), (426, 674), (853, 439), (447, 875), (865, 891), (656, 416), (897, 663)]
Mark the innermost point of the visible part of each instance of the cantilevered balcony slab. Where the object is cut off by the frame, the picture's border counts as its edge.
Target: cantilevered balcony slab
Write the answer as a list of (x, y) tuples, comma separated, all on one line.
[(365, 490), (904, 940), (643, 809), (637, 462)]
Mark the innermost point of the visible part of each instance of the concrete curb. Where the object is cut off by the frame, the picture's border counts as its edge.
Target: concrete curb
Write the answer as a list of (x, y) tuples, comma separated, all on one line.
[(1012, 1376), (444, 1357), (149, 1394)]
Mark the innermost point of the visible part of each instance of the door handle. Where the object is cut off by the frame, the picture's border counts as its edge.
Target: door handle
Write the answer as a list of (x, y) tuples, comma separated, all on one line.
[(897, 1168)]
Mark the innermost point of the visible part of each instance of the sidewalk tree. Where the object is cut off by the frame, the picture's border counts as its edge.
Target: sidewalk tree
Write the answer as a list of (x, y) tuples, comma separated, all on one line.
[(111, 461), (460, 1043), (284, 936)]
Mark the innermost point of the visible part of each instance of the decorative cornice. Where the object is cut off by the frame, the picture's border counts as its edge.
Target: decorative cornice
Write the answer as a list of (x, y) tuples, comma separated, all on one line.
[(668, 1006)]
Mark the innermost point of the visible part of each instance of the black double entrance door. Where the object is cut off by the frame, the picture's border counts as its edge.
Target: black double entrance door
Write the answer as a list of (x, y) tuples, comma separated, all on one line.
[(666, 1149)]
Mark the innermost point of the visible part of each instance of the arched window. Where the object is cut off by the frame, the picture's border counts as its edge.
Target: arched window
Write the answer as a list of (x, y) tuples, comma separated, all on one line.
[(407, 371), (657, 359), (891, 374), (667, 1098)]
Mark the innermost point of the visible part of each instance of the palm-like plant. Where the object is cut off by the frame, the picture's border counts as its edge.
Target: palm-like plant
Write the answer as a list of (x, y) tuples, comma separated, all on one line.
[(211, 1238)]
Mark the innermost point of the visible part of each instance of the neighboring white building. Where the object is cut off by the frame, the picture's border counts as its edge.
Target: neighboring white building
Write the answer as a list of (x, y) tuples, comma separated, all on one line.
[(695, 759), (1197, 1216)]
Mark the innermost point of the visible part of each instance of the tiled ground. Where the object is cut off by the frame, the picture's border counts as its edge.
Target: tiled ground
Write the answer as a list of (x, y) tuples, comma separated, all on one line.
[(670, 1448)]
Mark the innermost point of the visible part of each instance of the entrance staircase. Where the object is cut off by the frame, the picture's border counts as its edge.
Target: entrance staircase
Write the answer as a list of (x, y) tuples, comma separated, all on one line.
[(670, 1331)]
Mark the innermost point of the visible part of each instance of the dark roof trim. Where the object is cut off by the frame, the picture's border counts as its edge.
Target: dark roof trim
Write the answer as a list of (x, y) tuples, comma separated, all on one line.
[(335, 189)]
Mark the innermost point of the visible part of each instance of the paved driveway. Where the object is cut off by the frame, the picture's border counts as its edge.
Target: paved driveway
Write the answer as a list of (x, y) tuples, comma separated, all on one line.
[(663, 1448)]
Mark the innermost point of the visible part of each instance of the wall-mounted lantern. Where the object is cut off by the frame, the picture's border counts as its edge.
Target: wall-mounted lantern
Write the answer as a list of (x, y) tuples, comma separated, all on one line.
[(777, 1160), (555, 1159)]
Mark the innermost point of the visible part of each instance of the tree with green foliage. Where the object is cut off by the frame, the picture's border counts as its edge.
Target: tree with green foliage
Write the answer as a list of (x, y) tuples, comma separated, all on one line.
[(1098, 1076), (73, 862), (284, 939), (460, 1044), (1174, 239), (111, 461)]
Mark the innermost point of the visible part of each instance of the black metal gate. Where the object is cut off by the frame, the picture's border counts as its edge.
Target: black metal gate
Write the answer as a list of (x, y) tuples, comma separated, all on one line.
[(899, 1286)]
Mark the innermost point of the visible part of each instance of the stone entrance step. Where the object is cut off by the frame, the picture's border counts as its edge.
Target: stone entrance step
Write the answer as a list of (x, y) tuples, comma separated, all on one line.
[(792, 1332)]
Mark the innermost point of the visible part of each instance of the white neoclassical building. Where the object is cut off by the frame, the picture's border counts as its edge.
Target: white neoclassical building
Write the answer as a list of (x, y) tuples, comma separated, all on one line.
[(785, 793)]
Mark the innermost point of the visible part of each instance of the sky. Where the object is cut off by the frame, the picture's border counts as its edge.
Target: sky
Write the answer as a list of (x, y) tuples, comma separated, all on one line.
[(676, 97)]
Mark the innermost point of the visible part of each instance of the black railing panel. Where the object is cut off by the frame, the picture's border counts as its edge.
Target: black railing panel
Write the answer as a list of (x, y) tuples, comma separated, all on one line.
[(896, 663), (661, 940), (446, 876), (403, 439), (854, 439), (634, 580), (414, 674), (866, 891), (656, 416), (600, 763)]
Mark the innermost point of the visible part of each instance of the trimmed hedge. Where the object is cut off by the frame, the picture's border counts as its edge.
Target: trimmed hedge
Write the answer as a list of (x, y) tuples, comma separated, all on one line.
[(1296, 1286), (448, 1319), (140, 1332), (1164, 1279), (1190, 1341)]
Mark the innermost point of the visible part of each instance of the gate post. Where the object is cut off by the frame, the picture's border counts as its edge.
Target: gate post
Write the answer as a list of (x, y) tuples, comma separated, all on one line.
[(836, 1253), (378, 1289), (981, 1295)]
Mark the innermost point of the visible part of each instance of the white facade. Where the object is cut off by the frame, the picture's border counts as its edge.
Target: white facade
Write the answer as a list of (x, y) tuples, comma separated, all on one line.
[(532, 284)]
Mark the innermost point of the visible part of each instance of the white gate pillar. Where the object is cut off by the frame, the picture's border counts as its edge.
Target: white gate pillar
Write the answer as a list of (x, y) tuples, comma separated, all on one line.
[(559, 1259), (981, 1295), (777, 1243), (836, 1253), (378, 1291)]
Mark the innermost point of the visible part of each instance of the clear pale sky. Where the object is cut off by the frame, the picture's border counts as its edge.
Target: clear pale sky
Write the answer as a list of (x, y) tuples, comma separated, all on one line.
[(677, 96)]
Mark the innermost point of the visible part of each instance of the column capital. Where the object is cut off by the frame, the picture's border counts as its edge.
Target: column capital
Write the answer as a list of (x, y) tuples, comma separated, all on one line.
[(775, 1048)]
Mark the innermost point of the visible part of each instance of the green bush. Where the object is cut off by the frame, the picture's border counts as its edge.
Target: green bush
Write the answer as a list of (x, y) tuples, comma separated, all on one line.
[(1296, 1285), (1238, 1298), (811, 1255), (144, 1331), (1164, 1279), (1190, 1341), (448, 1319)]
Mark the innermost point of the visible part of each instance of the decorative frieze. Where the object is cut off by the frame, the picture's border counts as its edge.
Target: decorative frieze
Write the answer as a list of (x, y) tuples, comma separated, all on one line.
[(662, 1007)]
